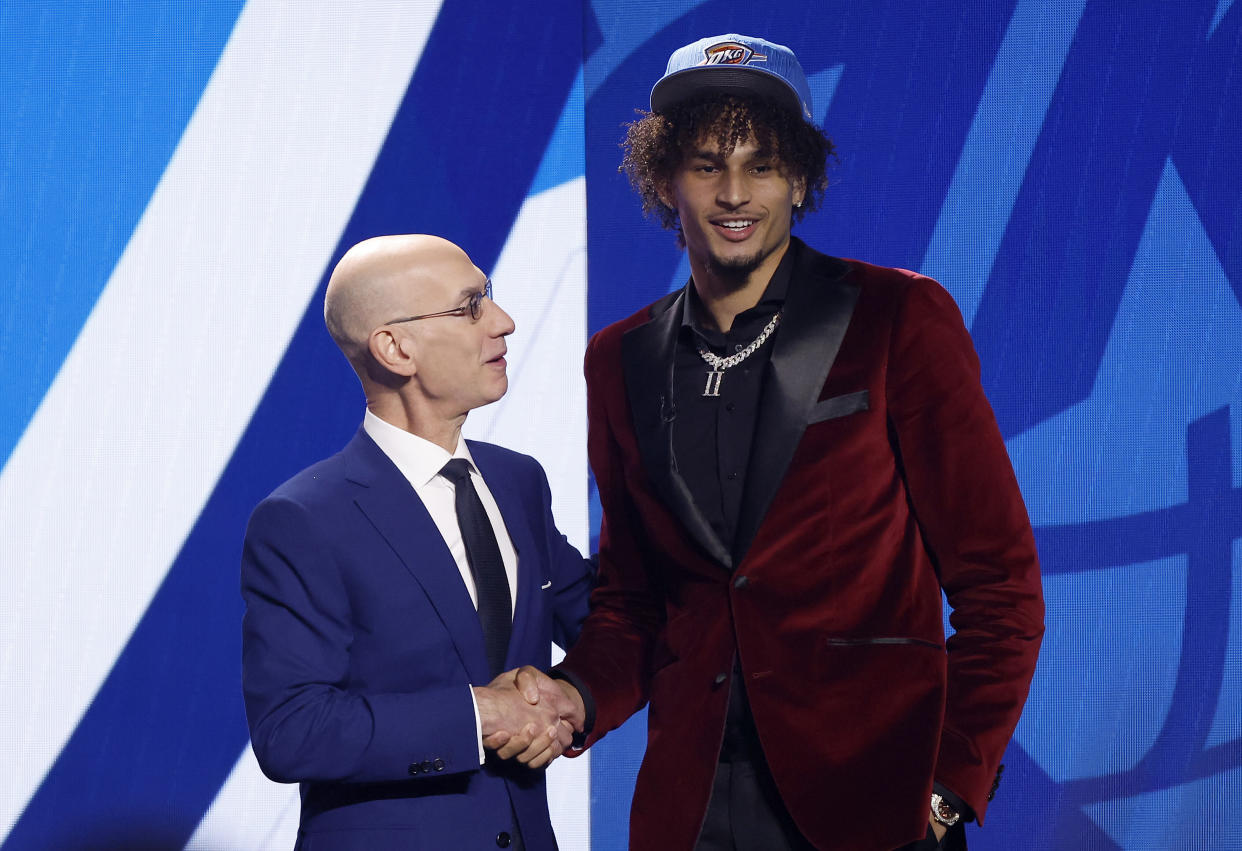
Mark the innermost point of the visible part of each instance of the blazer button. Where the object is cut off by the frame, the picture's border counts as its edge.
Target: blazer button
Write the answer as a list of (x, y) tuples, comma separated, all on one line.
[(438, 764), (995, 782), (425, 765), (414, 769), (503, 839), (720, 678), (741, 582)]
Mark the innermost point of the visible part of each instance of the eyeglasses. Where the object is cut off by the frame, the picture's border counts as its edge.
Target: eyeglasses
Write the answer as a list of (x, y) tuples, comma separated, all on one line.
[(474, 307)]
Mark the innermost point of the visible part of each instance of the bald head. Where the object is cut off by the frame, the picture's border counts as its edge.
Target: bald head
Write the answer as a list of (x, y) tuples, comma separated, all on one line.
[(384, 278), (422, 376)]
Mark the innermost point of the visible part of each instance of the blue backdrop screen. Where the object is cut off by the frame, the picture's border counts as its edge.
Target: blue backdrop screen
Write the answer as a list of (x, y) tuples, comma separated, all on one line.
[(180, 180)]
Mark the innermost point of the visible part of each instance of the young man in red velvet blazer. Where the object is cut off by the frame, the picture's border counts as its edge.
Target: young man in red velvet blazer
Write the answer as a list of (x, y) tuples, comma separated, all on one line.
[(795, 457)]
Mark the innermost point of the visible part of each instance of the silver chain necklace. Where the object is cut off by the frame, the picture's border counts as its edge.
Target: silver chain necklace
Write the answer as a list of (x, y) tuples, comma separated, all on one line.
[(719, 365)]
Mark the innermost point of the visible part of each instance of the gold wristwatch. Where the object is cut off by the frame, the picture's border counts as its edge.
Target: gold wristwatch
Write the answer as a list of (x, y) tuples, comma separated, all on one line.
[(942, 811)]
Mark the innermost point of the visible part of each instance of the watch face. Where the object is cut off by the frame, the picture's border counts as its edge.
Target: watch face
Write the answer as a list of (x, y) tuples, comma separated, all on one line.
[(945, 814)]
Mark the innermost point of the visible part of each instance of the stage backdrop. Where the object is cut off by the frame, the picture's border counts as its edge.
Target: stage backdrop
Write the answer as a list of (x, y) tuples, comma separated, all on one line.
[(178, 179)]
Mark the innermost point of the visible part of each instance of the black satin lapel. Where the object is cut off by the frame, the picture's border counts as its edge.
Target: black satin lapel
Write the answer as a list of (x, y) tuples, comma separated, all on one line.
[(400, 517), (816, 315), (647, 354)]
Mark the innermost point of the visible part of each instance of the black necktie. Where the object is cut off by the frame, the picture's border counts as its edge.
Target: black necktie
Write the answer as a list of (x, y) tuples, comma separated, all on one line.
[(488, 568)]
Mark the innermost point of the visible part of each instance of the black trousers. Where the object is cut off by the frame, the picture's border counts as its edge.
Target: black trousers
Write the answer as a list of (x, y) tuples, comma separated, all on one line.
[(745, 811), (746, 814), (954, 840)]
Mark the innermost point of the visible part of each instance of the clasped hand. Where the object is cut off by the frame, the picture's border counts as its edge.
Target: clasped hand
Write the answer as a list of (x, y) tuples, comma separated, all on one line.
[(528, 716)]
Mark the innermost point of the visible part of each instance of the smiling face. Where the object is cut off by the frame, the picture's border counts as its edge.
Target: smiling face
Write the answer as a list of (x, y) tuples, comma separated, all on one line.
[(735, 209)]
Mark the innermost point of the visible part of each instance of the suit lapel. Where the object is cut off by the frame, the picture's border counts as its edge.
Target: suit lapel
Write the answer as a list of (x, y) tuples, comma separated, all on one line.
[(401, 519), (647, 354), (501, 480), (816, 315)]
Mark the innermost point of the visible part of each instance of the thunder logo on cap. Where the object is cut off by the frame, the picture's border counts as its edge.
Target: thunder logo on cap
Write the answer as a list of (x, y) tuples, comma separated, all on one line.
[(730, 53)]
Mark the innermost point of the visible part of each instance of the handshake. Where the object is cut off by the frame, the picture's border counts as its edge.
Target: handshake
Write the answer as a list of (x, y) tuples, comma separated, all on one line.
[(528, 716)]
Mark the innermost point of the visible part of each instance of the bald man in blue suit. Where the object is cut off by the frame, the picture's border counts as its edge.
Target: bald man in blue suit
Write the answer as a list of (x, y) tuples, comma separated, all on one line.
[(376, 670)]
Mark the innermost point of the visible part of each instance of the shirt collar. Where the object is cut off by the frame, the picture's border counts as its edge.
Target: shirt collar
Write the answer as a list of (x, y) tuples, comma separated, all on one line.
[(772, 300), (418, 459)]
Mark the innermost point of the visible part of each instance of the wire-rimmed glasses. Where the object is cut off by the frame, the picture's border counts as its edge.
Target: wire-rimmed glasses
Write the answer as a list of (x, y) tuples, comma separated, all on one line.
[(473, 307)]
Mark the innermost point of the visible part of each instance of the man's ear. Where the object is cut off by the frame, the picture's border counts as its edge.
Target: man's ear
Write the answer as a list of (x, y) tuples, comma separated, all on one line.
[(394, 352), (665, 194), (799, 191)]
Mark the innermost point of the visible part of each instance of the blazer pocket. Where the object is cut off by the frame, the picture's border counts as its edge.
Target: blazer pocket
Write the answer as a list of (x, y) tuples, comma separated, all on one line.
[(840, 406), (870, 662), (888, 640)]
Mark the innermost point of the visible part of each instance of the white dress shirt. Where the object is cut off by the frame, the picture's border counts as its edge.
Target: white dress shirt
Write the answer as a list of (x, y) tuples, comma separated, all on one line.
[(421, 461)]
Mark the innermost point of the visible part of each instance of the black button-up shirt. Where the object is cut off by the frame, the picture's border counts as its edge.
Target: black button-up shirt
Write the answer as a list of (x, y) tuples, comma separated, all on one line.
[(712, 434)]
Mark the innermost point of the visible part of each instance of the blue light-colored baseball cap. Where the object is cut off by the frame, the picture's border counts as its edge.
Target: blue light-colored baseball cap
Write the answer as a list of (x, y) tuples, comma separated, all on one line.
[(735, 64)]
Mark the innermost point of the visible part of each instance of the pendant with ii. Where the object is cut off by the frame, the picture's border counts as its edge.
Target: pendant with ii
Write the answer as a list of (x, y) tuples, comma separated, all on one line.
[(712, 388), (718, 364)]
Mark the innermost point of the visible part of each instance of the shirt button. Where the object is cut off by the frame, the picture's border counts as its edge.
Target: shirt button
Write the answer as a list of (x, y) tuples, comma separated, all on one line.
[(732, 476), (741, 582), (503, 839), (729, 407)]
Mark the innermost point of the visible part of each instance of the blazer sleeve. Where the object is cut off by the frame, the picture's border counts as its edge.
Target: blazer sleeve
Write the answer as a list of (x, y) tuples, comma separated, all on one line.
[(975, 526), (612, 659), (572, 576), (308, 721)]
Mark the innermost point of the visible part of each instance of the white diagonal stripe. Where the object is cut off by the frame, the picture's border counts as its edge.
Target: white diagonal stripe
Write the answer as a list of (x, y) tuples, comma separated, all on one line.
[(541, 282), (249, 812), (121, 456)]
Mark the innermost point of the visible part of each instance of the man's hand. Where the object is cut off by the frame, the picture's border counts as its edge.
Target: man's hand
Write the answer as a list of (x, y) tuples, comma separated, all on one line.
[(537, 687), (526, 715)]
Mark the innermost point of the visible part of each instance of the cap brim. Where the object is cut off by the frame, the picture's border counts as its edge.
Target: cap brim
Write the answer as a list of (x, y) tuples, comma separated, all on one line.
[(739, 80)]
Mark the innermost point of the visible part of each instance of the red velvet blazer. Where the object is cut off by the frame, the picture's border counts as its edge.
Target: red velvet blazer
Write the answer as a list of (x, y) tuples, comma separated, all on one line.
[(877, 478)]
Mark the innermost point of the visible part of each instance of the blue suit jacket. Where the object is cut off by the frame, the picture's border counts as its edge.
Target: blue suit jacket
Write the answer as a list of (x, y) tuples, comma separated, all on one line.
[(360, 641)]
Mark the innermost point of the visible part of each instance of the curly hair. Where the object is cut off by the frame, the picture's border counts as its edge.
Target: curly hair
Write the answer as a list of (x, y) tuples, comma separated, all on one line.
[(656, 144)]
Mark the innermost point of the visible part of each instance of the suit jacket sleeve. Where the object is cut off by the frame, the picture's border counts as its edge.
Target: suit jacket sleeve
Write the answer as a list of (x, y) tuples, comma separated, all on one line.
[(611, 660), (296, 634), (572, 575), (974, 523)]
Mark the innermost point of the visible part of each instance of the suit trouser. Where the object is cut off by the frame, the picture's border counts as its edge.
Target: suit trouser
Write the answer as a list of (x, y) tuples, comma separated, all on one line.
[(954, 840), (746, 814), (745, 811)]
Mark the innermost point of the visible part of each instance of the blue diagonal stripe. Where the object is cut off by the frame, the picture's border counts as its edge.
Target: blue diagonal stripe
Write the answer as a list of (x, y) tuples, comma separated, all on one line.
[(95, 98), (993, 162), (1222, 9), (1082, 207), (167, 726), (563, 160)]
